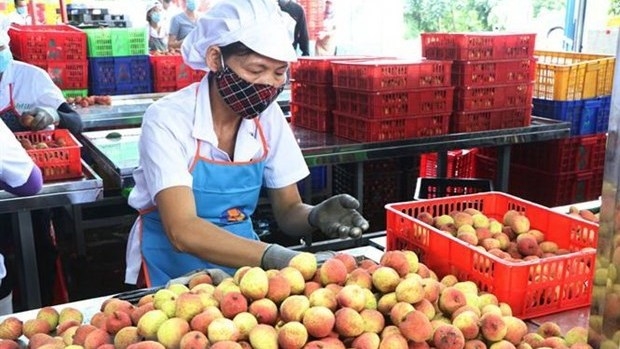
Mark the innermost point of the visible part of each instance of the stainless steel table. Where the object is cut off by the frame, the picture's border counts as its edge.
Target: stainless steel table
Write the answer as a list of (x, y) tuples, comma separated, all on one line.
[(118, 157), (127, 110), (55, 194)]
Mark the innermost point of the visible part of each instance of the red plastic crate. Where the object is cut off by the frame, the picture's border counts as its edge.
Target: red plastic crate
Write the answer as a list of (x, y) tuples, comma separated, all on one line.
[(318, 69), (68, 75), (395, 103), (493, 97), (55, 162), (546, 188), (41, 43), (368, 130), (480, 73), (165, 72), (568, 282), (391, 74), (461, 164), (571, 154), (556, 189), (320, 96), (481, 46), (485, 120), (170, 73), (316, 119)]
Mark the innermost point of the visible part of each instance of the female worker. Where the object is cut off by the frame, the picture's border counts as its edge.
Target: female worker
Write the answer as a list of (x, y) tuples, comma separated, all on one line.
[(158, 34), (181, 24), (206, 151), (19, 176), (29, 100)]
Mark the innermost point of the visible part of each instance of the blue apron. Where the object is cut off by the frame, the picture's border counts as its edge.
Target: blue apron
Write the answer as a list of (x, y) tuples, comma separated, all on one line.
[(10, 116), (226, 194)]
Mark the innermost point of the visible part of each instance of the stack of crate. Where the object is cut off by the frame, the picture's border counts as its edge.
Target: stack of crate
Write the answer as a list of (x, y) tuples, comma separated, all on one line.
[(61, 50), (312, 93), (387, 99), (493, 73), (118, 61), (170, 73), (575, 87), (572, 87), (391, 99)]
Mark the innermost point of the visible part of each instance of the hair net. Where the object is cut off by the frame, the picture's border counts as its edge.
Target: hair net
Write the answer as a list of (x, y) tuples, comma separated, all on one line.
[(152, 4), (258, 24), (5, 23)]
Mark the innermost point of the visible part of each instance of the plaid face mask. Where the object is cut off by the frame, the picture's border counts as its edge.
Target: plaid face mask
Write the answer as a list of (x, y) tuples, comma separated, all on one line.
[(244, 98)]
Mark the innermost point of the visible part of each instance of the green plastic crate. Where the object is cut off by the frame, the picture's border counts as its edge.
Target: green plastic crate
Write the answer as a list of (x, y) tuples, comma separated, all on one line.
[(116, 42), (75, 93)]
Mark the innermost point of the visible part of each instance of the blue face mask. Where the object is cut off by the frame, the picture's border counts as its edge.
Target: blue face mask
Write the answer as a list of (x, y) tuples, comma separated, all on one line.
[(191, 5), (21, 10), (155, 17), (5, 59)]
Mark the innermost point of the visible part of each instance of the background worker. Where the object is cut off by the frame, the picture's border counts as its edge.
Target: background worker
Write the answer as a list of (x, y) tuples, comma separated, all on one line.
[(20, 15), (325, 44), (301, 41), (200, 173), (181, 24), (19, 176), (30, 101), (158, 33)]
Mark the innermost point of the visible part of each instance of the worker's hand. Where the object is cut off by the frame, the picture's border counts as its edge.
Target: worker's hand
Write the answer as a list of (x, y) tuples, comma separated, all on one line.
[(217, 275), (322, 256), (39, 118), (338, 217), (278, 257)]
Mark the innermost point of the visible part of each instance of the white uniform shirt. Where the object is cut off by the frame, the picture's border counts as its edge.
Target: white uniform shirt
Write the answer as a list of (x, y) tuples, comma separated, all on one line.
[(15, 163), (24, 19), (32, 87), (170, 129), (15, 167)]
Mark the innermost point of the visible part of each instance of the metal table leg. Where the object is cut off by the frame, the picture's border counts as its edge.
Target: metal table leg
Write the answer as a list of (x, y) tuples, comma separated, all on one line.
[(503, 168), (28, 273)]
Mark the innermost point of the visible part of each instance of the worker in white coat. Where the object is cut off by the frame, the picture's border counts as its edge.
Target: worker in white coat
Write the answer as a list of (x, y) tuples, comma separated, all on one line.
[(19, 176), (30, 101), (208, 149)]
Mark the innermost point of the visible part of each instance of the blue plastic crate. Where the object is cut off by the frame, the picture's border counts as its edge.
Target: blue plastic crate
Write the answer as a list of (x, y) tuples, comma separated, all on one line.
[(587, 116), (602, 121), (318, 176), (120, 75)]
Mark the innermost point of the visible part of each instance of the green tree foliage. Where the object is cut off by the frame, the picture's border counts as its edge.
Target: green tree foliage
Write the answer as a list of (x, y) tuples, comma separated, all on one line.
[(614, 7), (460, 15)]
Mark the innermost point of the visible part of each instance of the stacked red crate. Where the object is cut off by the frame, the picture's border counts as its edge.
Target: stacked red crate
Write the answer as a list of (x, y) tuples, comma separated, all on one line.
[(565, 171), (312, 91), (392, 99), (312, 94), (493, 74), (60, 50)]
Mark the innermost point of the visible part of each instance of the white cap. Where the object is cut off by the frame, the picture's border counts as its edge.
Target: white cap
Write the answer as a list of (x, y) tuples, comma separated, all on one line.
[(258, 24), (5, 23), (152, 4)]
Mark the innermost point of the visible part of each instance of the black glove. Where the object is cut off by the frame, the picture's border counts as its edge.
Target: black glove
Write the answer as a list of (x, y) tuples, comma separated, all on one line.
[(337, 217), (217, 275), (278, 257), (43, 117)]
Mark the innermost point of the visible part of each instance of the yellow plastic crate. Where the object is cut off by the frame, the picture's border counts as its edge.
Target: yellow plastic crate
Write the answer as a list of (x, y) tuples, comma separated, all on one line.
[(571, 76)]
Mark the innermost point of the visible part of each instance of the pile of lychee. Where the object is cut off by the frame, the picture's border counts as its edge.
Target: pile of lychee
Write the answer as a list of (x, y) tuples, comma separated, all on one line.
[(512, 238), (397, 303), (89, 100)]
